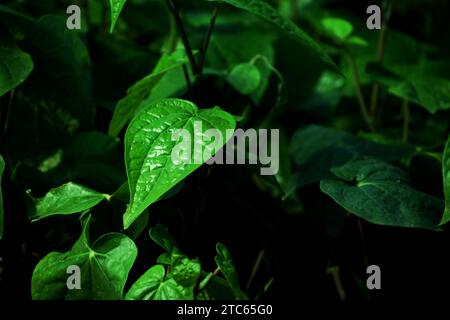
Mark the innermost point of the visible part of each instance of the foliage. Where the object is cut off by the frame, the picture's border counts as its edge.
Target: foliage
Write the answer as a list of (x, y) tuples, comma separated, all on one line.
[(87, 119)]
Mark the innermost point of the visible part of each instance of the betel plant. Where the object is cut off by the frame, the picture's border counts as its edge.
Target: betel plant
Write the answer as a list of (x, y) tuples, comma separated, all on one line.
[(251, 58)]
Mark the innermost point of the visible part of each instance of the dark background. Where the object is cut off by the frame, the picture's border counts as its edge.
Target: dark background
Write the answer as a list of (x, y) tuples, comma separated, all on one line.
[(222, 203)]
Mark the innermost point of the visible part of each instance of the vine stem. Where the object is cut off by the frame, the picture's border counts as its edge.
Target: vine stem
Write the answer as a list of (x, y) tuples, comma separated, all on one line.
[(406, 116), (255, 268), (207, 40), (335, 273), (358, 91), (5, 115), (363, 243), (379, 58), (187, 46), (208, 278)]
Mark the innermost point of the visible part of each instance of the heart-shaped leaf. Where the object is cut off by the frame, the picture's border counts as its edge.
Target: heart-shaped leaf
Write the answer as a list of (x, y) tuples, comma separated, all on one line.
[(378, 192), (177, 285), (104, 269), (226, 265), (149, 144), (66, 199), (316, 149), (245, 78), (162, 237), (15, 65)]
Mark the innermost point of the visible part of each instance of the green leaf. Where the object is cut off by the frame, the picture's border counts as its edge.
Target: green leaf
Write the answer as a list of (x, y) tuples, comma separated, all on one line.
[(116, 8), (228, 49), (148, 148), (178, 285), (226, 265), (446, 176), (432, 93), (337, 27), (15, 65), (266, 11), (357, 41), (153, 286), (186, 272), (66, 199), (2, 168), (104, 269), (415, 84), (316, 149), (378, 192), (127, 107), (162, 237), (245, 78)]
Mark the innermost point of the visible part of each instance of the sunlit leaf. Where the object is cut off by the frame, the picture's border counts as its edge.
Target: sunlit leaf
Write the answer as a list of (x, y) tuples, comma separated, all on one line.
[(67, 199), (148, 148), (116, 7), (104, 268)]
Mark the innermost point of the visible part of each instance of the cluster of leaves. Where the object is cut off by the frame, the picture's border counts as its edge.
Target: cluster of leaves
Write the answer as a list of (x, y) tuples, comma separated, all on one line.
[(254, 60)]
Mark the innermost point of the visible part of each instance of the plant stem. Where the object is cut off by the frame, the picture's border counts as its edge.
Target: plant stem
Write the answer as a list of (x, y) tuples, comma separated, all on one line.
[(172, 40), (379, 58), (176, 14), (188, 79), (406, 116), (208, 38), (358, 91), (207, 279), (363, 243), (255, 268), (4, 117), (335, 273)]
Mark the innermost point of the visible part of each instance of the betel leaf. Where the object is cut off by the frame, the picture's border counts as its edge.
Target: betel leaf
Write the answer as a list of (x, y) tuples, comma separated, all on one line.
[(155, 284), (414, 84), (245, 78), (162, 237), (378, 192), (104, 268), (149, 143), (15, 65), (116, 7), (66, 199), (430, 92), (337, 27), (228, 49), (267, 12), (446, 176), (139, 91), (316, 149), (2, 168), (226, 265)]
